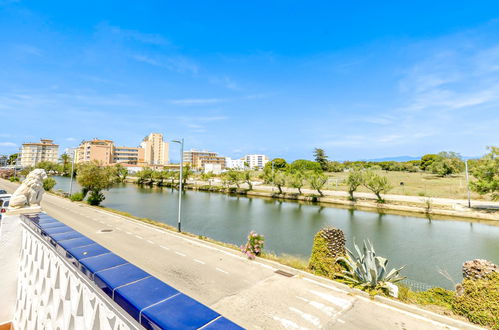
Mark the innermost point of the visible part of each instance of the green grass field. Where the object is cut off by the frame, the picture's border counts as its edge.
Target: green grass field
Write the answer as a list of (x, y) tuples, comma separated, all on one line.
[(415, 184)]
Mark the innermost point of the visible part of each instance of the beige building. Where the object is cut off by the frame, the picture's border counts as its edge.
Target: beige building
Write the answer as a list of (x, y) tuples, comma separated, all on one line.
[(95, 150), (156, 150), (33, 153), (202, 161), (128, 155)]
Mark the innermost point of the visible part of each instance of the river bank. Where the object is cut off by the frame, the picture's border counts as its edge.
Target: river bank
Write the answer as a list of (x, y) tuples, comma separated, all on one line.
[(426, 207)]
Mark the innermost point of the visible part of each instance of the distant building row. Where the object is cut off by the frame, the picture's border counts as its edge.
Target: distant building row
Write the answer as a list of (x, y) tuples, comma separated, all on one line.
[(208, 161), (153, 150)]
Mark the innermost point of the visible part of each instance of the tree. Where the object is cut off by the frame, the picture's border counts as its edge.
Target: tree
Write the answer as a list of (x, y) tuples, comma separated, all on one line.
[(144, 176), (486, 172), (159, 176), (277, 164), (48, 184), (317, 181), (354, 180), (427, 160), (94, 178), (186, 174), (447, 163), (321, 158), (377, 184), (119, 173), (234, 177), (247, 178), (305, 165), (335, 167), (65, 165), (297, 180), (12, 159), (279, 180)]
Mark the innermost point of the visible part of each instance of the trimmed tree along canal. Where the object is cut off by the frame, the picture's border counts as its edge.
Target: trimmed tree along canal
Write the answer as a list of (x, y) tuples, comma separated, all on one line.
[(426, 247)]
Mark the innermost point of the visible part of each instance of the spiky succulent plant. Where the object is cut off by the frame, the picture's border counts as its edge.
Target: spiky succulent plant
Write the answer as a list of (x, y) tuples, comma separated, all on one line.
[(367, 270)]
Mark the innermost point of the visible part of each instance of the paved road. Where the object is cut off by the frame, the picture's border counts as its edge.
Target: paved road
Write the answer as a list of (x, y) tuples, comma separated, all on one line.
[(249, 292)]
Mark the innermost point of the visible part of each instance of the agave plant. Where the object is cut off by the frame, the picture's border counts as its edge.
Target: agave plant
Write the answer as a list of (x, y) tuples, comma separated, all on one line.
[(368, 270)]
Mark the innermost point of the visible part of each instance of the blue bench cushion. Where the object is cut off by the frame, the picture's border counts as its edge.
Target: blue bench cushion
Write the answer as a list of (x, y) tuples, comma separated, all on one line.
[(91, 265), (110, 279), (141, 294), (179, 312), (87, 251)]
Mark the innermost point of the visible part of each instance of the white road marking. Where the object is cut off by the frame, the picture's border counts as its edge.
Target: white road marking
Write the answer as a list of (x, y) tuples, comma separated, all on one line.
[(341, 321), (287, 324), (199, 261), (129, 233), (164, 247), (149, 241), (119, 228), (308, 317), (329, 311), (343, 303), (138, 236), (221, 270), (180, 254)]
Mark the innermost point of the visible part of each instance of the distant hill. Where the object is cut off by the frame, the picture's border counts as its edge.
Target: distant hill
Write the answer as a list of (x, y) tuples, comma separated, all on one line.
[(395, 158)]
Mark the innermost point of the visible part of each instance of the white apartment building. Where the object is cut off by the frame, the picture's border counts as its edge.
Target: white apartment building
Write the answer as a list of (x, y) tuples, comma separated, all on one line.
[(256, 161), (156, 150), (235, 164), (34, 153)]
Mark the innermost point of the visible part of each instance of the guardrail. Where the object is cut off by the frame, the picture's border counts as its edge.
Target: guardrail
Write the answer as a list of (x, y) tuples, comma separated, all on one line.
[(69, 281)]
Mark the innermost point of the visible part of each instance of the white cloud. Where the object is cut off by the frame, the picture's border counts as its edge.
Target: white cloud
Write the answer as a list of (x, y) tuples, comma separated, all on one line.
[(7, 144)]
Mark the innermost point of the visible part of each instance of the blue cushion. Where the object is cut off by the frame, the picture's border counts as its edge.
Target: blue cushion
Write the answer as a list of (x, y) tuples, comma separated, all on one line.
[(110, 279), (75, 242), (179, 312), (87, 251), (104, 261), (136, 296), (57, 230), (65, 236)]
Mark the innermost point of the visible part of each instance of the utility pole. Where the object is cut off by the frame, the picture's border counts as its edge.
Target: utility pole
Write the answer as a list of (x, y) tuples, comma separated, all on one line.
[(181, 142), (72, 173), (468, 183)]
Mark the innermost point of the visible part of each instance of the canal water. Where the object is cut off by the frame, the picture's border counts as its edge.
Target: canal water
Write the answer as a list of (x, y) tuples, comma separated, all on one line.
[(426, 248)]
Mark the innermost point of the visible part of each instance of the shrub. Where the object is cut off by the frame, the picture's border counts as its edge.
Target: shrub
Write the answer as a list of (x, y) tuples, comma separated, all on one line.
[(14, 179), (95, 198), (254, 246), (435, 296), (48, 184), (323, 258), (76, 197), (480, 301)]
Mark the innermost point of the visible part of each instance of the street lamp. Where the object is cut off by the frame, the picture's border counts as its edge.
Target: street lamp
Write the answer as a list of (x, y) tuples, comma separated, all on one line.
[(72, 173), (181, 142)]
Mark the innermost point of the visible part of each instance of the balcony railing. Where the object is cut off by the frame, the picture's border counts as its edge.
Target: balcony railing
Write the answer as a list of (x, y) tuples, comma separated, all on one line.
[(68, 281)]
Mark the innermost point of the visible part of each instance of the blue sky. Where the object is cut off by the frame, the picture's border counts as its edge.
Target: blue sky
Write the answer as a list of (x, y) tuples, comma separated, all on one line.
[(361, 79)]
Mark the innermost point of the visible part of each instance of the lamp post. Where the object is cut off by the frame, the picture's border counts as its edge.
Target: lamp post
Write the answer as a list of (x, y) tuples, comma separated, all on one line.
[(181, 142), (72, 173), (468, 183)]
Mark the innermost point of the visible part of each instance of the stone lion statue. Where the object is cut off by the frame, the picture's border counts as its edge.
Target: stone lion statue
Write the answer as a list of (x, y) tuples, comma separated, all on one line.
[(30, 192)]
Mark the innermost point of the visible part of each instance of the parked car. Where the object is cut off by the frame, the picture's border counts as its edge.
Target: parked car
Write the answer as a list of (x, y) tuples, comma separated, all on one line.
[(3, 193), (4, 203)]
